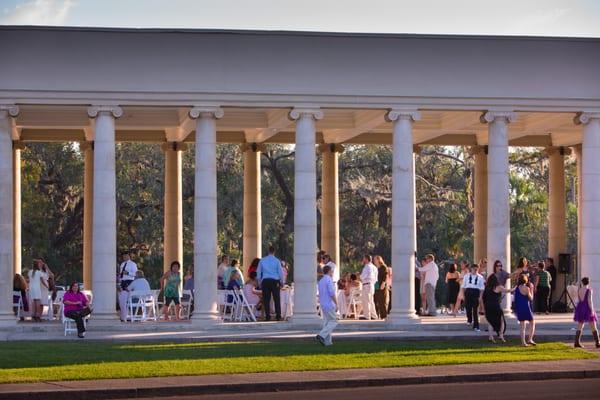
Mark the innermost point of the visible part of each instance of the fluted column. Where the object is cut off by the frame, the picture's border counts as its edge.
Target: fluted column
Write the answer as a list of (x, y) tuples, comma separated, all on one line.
[(330, 204), (252, 235), (17, 147), (205, 214), (403, 216), (590, 201), (498, 209), (305, 215), (480, 197), (104, 211), (173, 206), (88, 209), (6, 214), (557, 208)]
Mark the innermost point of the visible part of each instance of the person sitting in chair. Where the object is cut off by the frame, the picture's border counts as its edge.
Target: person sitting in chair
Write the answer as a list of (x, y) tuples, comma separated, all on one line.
[(76, 307)]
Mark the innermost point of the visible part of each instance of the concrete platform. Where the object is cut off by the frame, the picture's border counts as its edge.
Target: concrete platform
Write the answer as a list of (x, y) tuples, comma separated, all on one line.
[(552, 327)]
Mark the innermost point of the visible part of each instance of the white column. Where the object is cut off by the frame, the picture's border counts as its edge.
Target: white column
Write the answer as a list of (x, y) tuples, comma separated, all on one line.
[(104, 211), (6, 214), (88, 209), (305, 216), (17, 147), (403, 217), (252, 235), (498, 209), (590, 201), (579, 157), (480, 197), (173, 206), (205, 214), (330, 202)]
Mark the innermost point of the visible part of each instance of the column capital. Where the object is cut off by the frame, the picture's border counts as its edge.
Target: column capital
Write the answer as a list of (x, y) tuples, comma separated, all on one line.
[(115, 111), (206, 111), (584, 118), (86, 145), (312, 112), (563, 151), (395, 114), (493, 115), (479, 149), (253, 147), (9, 110), (331, 148), (174, 146), (18, 145)]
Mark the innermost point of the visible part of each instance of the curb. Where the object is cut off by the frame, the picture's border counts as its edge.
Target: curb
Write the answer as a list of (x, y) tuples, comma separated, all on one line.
[(283, 386)]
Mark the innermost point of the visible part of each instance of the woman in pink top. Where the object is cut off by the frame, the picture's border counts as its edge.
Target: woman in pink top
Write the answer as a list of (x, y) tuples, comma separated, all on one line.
[(76, 307)]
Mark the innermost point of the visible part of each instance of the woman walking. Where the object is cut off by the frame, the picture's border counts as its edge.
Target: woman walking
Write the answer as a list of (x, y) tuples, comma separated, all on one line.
[(464, 270), (170, 283), (523, 298), (584, 312), (452, 278), (492, 298)]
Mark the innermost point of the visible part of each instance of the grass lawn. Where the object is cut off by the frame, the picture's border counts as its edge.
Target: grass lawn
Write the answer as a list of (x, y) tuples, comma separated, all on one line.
[(77, 360)]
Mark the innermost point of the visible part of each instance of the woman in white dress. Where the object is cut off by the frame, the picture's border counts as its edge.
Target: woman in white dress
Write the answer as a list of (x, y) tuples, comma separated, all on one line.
[(35, 292), (47, 277)]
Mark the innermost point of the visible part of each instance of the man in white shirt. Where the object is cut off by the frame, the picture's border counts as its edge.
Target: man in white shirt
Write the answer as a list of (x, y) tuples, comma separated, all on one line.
[(335, 270), (328, 303), (432, 274), (139, 284), (127, 271), (473, 285), (368, 277)]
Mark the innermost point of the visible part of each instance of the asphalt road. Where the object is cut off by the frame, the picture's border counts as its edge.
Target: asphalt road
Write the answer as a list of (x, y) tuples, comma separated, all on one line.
[(579, 389)]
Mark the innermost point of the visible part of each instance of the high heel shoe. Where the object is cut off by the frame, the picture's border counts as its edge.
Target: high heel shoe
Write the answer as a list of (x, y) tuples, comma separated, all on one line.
[(491, 339), (502, 339)]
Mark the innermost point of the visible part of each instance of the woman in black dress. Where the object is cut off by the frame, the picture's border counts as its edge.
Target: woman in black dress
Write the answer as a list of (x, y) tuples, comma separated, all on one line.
[(492, 297), (452, 277)]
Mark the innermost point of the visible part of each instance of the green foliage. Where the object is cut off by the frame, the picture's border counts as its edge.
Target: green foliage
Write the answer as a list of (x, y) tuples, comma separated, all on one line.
[(52, 179)]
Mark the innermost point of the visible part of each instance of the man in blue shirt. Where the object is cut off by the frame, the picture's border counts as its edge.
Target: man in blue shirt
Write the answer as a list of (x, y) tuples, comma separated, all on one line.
[(270, 276), (328, 302)]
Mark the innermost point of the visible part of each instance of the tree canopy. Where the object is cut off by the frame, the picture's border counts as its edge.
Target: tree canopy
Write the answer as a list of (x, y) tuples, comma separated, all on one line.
[(52, 203)]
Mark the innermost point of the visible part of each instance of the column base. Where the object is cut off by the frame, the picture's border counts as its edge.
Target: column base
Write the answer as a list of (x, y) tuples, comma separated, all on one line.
[(104, 316), (206, 320), (8, 320), (308, 320), (402, 318)]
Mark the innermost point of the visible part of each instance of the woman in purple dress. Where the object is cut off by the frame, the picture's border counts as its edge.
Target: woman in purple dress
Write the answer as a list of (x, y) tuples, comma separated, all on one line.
[(523, 298), (584, 312)]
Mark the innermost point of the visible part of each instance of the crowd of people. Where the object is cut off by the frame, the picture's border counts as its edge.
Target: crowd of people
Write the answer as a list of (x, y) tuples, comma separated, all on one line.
[(469, 290)]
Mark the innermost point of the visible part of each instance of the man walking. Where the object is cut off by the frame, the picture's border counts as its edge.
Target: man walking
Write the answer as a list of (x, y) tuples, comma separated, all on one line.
[(270, 276), (368, 277), (432, 275), (328, 302)]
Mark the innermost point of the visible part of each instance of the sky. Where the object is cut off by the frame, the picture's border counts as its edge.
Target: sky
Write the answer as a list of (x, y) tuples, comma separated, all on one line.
[(577, 18)]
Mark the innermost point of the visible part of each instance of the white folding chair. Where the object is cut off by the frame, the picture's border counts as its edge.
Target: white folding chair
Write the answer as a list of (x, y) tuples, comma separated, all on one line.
[(186, 303), (230, 306), (221, 300), (245, 310), (18, 303), (69, 323), (355, 303), (57, 303), (143, 301)]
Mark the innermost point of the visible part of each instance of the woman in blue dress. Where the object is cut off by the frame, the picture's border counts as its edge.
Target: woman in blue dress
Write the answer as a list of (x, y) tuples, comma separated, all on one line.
[(523, 298)]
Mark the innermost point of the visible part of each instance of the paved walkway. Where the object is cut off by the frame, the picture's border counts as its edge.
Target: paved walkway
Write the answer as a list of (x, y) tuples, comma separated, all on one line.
[(285, 381)]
